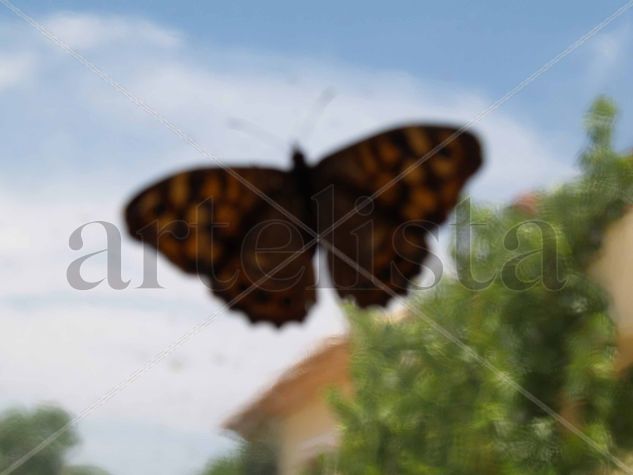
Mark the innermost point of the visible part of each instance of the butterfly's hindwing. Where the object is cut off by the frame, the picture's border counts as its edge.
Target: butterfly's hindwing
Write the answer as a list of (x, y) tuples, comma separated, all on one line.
[(388, 238), (208, 222)]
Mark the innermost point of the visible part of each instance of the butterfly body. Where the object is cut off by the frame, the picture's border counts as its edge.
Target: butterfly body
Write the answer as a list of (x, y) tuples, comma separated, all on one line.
[(302, 173), (251, 232)]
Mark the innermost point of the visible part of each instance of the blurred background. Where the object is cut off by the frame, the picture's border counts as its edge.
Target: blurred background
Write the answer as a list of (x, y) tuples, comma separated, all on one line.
[(73, 150)]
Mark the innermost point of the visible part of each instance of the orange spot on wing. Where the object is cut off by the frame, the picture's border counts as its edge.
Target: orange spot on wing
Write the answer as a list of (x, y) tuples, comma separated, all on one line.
[(226, 217), (418, 141), (414, 174), (424, 199), (232, 189), (443, 166), (179, 189), (388, 194), (147, 203), (387, 151), (367, 159), (211, 186)]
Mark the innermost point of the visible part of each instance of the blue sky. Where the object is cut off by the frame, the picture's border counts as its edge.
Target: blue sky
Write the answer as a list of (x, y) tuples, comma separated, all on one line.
[(73, 150), (488, 47)]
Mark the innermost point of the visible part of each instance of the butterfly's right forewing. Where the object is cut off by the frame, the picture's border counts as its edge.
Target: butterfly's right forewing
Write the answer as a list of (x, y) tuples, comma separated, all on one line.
[(415, 174)]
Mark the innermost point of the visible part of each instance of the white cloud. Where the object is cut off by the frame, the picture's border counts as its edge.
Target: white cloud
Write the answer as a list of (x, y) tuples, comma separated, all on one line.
[(85, 31), (87, 148), (609, 51), (15, 69)]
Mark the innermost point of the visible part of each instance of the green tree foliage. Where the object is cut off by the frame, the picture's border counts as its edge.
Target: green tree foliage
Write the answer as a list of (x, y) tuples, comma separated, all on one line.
[(228, 465), (252, 458), (21, 431), (465, 384), (83, 470)]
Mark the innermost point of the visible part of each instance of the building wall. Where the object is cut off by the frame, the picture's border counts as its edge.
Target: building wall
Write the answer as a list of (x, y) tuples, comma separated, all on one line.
[(613, 269), (307, 432), (308, 426)]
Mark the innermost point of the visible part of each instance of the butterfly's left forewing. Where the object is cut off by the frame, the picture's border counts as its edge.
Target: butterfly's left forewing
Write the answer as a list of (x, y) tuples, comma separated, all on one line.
[(387, 239), (209, 222)]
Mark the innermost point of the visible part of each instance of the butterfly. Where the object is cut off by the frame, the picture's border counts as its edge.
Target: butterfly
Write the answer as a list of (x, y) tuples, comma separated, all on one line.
[(249, 231)]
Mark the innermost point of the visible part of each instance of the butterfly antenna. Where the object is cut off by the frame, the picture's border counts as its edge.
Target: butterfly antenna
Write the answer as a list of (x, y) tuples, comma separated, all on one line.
[(254, 130), (316, 111)]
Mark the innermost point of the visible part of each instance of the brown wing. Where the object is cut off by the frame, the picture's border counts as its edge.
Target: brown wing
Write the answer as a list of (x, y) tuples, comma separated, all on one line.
[(209, 223), (388, 237)]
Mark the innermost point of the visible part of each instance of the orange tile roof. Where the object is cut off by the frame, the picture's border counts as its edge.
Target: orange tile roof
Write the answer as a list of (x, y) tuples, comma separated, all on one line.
[(326, 365)]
